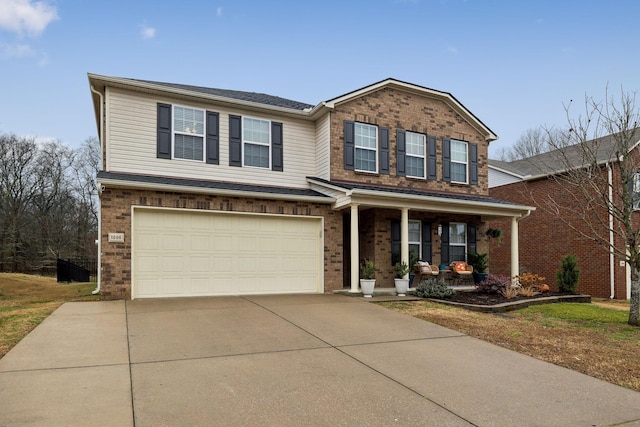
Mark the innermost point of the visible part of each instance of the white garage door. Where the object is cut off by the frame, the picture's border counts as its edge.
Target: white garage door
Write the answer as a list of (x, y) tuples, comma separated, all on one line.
[(186, 253)]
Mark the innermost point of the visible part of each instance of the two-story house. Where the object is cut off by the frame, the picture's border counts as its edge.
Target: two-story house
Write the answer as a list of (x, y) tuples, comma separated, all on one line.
[(221, 192)]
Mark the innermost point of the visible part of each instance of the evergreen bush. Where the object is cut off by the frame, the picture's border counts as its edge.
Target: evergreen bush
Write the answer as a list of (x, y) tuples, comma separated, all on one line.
[(568, 275)]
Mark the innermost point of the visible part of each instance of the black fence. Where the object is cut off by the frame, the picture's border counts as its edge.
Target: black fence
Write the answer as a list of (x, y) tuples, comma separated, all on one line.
[(68, 271)]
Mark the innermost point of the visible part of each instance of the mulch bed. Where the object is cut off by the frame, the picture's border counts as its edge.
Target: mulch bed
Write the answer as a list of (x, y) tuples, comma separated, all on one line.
[(496, 303), (477, 298)]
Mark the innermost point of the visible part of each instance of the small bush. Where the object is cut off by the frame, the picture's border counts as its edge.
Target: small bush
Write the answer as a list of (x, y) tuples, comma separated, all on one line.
[(531, 280), (510, 291), (495, 284), (528, 291), (568, 275), (434, 288)]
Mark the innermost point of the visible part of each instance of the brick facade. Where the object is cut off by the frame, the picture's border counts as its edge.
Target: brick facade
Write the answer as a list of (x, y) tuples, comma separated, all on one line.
[(545, 239), (116, 207), (399, 110)]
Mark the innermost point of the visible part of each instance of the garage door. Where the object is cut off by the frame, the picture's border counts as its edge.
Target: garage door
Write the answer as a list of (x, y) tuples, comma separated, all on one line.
[(186, 253)]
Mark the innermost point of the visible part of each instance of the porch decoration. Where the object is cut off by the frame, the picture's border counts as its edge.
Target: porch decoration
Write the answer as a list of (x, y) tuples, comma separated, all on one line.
[(480, 263), (402, 284), (367, 280), (494, 233)]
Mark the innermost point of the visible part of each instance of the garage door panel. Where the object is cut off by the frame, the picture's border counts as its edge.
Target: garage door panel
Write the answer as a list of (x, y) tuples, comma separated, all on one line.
[(183, 253)]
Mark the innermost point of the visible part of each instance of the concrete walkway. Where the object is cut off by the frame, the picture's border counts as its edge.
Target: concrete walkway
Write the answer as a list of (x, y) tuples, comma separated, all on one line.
[(284, 360)]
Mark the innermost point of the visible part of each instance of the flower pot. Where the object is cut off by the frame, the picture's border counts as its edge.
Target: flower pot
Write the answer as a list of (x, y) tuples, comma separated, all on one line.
[(479, 277), (367, 286), (402, 286)]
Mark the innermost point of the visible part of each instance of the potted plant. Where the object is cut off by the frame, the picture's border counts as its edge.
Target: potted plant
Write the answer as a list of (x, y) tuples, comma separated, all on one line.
[(367, 280), (402, 284), (480, 263)]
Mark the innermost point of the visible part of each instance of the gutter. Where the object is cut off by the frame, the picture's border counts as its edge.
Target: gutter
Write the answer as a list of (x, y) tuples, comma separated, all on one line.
[(99, 239), (612, 278)]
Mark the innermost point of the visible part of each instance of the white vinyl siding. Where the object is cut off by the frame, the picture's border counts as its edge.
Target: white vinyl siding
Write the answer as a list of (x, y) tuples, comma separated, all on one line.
[(323, 144), (498, 178), (131, 144)]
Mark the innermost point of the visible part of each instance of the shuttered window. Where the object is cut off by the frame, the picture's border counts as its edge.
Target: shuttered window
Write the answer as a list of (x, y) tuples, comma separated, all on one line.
[(415, 154), (256, 140), (457, 241), (459, 161), (366, 147), (188, 133)]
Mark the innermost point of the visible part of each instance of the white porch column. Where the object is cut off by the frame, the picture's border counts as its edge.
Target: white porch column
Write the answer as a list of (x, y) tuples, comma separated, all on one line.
[(515, 257), (404, 236), (355, 251)]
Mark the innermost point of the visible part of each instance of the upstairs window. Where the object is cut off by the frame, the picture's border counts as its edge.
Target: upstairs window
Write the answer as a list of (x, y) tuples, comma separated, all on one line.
[(415, 154), (366, 147), (188, 133), (459, 161), (256, 141), (635, 194)]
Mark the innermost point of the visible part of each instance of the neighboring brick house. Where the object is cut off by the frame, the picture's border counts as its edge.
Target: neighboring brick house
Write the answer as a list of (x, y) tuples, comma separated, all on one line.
[(219, 192), (545, 238)]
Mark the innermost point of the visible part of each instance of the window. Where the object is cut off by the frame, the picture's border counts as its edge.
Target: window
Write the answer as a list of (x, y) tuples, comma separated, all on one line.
[(366, 146), (188, 133), (635, 195), (459, 160), (415, 237), (415, 154), (457, 241), (256, 142)]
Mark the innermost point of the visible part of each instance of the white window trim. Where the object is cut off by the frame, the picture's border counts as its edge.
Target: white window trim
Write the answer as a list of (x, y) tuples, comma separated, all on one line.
[(424, 157), (356, 148), (419, 241), (174, 132), (635, 195), (244, 142), (465, 163), (463, 245)]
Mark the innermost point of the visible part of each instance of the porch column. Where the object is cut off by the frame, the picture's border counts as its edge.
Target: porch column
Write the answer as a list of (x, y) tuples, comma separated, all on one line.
[(355, 251), (515, 257), (404, 236)]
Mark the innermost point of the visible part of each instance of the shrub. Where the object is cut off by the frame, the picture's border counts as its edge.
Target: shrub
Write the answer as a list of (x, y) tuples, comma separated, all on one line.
[(402, 269), (494, 284), (368, 269), (433, 288), (510, 291), (528, 291), (479, 262), (568, 275), (531, 280)]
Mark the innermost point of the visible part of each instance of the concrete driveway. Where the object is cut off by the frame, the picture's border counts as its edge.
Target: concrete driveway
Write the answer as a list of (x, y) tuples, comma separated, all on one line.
[(283, 360)]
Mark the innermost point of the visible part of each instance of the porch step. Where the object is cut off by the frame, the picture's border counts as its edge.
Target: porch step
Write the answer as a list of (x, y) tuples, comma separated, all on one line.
[(391, 292)]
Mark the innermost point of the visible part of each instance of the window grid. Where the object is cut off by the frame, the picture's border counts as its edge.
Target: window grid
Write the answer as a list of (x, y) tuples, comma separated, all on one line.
[(256, 141), (415, 154), (188, 133), (457, 241), (366, 147), (415, 237), (459, 160)]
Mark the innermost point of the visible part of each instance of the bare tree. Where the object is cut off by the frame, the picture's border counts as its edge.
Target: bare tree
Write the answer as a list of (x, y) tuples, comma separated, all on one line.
[(596, 164)]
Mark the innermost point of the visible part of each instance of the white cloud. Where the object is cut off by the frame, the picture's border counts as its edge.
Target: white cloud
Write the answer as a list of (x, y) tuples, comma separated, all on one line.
[(8, 51), (219, 11), (147, 32), (26, 17)]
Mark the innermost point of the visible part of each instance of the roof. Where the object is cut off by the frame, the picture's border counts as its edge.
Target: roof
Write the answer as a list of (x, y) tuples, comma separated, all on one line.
[(259, 98), (162, 183), (553, 162)]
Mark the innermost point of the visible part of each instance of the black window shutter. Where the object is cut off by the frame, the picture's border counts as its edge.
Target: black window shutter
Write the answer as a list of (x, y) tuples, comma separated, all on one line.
[(349, 145), (401, 151), (213, 141), (395, 241), (444, 249), (431, 158), (164, 131), (426, 241), (276, 147), (446, 159), (235, 140), (473, 164), (472, 246), (384, 150)]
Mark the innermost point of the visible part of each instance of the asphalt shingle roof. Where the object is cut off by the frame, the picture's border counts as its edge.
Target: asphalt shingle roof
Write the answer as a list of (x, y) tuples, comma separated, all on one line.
[(259, 98)]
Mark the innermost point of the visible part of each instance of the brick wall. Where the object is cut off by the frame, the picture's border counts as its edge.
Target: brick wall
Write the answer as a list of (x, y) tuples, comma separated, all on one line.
[(116, 217), (545, 238), (406, 111)]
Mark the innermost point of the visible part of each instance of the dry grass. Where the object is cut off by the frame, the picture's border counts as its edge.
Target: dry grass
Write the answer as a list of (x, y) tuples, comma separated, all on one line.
[(607, 350), (26, 300)]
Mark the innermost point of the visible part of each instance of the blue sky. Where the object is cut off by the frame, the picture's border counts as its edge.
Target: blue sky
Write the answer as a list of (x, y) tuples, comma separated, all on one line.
[(512, 63)]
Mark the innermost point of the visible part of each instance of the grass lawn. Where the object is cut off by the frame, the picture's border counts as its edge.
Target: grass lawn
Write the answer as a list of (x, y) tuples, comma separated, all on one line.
[(590, 338), (26, 300)]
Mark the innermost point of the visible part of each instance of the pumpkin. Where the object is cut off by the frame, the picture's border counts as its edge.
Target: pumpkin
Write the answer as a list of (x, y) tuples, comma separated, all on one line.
[(544, 288)]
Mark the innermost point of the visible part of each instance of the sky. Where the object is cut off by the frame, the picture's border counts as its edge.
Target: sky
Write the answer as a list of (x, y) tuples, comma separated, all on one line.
[(513, 64)]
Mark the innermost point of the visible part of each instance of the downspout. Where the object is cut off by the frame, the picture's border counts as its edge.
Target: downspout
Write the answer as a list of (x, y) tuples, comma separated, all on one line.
[(612, 266), (99, 240)]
